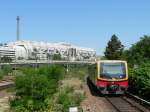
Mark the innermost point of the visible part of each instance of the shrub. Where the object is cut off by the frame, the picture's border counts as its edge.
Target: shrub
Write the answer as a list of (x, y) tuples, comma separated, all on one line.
[(31, 92), (1, 74), (68, 98), (7, 69), (79, 72), (35, 88), (139, 81)]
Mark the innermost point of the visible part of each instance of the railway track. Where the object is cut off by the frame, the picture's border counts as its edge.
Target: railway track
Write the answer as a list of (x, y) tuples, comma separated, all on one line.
[(5, 84), (115, 103), (125, 104)]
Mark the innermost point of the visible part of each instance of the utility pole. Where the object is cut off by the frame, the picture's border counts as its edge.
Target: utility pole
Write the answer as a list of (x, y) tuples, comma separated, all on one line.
[(18, 30)]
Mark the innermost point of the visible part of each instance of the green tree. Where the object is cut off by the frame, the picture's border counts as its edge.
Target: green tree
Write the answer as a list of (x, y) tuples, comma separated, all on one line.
[(57, 56), (139, 53), (114, 49)]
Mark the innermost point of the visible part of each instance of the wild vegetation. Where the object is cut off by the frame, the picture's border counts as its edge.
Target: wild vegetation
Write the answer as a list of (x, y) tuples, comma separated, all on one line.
[(139, 62), (5, 70), (35, 87), (44, 89), (139, 81), (80, 72)]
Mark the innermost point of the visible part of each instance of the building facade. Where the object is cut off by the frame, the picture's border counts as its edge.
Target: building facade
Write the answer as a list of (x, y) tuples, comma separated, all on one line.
[(33, 50), (7, 52)]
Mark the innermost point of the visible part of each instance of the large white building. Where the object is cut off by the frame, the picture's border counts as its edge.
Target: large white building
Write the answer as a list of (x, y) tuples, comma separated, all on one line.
[(7, 52), (24, 50)]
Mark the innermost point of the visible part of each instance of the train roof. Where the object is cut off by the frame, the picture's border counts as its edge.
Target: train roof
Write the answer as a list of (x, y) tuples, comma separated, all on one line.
[(111, 61)]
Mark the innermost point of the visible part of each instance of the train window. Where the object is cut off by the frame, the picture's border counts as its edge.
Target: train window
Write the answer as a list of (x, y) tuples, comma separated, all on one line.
[(112, 70)]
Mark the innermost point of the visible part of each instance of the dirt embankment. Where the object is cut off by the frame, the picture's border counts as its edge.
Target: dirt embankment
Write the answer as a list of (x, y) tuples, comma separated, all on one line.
[(94, 103), (4, 101)]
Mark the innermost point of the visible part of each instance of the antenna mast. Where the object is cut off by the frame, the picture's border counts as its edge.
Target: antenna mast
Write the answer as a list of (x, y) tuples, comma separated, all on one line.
[(18, 30)]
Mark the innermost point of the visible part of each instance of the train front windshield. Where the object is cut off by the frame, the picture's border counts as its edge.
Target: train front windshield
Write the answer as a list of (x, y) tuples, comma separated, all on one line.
[(112, 70)]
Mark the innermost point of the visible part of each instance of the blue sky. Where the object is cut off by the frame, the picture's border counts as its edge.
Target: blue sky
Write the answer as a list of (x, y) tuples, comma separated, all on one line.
[(88, 23)]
